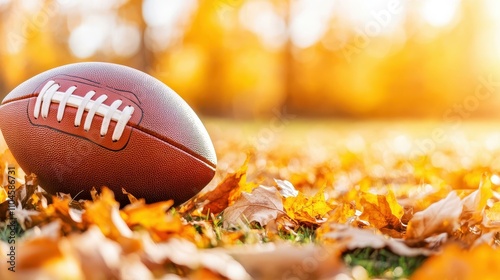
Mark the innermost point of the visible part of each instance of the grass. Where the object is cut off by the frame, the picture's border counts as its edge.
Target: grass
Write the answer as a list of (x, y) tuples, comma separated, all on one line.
[(382, 263), (302, 235), (5, 232)]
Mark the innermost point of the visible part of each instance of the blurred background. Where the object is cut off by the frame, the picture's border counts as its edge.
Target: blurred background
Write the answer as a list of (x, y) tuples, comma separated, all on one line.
[(435, 59)]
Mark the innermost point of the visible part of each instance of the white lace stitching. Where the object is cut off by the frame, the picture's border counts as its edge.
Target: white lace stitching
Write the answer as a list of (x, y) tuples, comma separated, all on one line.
[(49, 94)]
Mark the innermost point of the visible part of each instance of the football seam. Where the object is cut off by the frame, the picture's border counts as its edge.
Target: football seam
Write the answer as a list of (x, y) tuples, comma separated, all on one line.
[(142, 129)]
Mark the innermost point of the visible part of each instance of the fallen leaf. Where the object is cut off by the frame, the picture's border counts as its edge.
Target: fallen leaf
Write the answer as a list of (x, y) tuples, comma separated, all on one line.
[(480, 262), (104, 212), (262, 205), (441, 216), (183, 253), (492, 216), (286, 261), (350, 238), (43, 258), (132, 198), (286, 188), (102, 256), (157, 220), (475, 203), (342, 213), (224, 194), (310, 210), (378, 212)]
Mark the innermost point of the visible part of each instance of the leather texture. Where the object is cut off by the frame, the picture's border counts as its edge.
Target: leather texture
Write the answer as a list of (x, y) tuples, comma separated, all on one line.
[(165, 152)]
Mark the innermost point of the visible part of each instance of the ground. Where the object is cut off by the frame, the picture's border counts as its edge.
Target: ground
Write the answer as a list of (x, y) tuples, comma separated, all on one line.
[(292, 199)]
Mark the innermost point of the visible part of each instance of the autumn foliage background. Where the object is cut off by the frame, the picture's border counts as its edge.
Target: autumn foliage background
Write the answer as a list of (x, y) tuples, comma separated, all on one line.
[(245, 58), (342, 126)]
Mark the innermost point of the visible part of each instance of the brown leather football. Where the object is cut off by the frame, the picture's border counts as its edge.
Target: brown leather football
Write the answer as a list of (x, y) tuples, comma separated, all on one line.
[(98, 124)]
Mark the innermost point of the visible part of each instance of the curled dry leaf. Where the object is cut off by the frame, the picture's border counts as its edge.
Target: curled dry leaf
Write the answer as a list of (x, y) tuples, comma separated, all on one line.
[(185, 254), (91, 255), (286, 261), (350, 238), (264, 204), (132, 198), (286, 188), (224, 194), (440, 217), (43, 258)]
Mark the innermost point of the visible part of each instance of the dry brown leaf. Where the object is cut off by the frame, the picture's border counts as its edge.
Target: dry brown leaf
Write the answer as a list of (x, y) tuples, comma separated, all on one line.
[(286, 261), (102, 256), (185, 254), (440, 217), (350, 238), (132, 198), (262, 205), (43, 258)]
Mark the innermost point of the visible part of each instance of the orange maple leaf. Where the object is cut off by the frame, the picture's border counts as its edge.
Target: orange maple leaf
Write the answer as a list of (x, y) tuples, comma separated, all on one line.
[(104, 212), (225, 194), (157, 220), (378, 211)]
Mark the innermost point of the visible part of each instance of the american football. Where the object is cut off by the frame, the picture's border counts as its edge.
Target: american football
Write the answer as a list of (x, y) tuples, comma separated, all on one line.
[(98, 124)]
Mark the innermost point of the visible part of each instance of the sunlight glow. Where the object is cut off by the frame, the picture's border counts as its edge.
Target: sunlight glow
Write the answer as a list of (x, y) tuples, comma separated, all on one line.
[(440, 13), (309, 21), (126, 40), (31, 6), (261, 18), (164, 13), (4, 3), (166, 21), (86, 39), (492, 9)]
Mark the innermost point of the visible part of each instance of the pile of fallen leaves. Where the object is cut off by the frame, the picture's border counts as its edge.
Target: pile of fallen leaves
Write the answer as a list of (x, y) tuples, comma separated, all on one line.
[(290, 209)]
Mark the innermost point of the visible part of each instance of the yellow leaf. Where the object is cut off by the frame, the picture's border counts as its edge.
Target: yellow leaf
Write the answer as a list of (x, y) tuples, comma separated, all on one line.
[(378, 211), (475, 202), (155, 219), (3, 195), (342, 213), (304, 209), (493, 215), (396, 209)]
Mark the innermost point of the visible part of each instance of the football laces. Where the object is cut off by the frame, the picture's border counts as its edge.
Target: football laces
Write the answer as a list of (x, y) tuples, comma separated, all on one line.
[(50, 94)]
